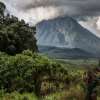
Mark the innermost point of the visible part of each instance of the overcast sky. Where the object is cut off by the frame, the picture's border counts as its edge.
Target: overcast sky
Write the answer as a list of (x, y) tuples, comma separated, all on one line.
[(34, 11)]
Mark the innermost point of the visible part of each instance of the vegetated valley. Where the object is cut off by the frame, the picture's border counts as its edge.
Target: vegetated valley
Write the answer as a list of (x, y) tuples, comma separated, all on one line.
[(27, 75)]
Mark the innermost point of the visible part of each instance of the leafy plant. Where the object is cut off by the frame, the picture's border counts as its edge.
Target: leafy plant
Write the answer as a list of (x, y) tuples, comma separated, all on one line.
[(26, 72)]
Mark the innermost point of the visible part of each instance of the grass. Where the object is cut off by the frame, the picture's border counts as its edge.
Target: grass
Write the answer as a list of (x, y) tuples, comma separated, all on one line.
[(73, 92), (76, 68), (17, 96)]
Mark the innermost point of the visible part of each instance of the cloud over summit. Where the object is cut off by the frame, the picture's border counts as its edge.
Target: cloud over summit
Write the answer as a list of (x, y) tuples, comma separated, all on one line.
[(37, 10)]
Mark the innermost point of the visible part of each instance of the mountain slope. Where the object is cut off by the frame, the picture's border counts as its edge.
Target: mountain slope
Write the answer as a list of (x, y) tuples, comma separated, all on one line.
[(63, 53), (65, 33)]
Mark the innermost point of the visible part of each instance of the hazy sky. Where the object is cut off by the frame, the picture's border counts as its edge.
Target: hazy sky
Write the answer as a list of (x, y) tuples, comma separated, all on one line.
[(34, 11)]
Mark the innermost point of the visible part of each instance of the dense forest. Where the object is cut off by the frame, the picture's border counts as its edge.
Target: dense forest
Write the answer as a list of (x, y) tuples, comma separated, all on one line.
[(27, 75)]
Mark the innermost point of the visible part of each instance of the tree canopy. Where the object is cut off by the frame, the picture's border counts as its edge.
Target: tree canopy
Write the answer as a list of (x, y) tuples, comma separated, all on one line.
[(15, 35), (2, 8)]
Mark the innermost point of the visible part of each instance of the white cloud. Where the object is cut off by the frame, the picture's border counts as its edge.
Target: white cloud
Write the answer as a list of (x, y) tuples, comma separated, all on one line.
[(98, 24), (34, 11)]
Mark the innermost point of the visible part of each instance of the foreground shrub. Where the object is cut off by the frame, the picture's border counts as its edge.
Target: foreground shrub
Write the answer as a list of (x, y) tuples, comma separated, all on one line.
[(16, 73), (26, 72), (17, 96)]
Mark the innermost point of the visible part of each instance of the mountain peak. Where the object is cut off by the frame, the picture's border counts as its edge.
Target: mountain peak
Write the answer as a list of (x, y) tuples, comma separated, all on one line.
[(65, 32)]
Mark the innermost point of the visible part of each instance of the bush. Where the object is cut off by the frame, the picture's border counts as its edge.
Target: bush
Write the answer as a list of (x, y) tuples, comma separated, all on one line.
[(16, 72), (25, 72)]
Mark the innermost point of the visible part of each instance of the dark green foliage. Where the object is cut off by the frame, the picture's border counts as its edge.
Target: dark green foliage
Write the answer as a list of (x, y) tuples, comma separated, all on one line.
[(26, 71), (15, 35), (2, 8), (15, 72)]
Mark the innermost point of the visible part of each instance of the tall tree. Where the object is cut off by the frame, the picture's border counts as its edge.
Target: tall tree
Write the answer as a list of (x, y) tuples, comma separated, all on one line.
[(2, 8), (15, 35)]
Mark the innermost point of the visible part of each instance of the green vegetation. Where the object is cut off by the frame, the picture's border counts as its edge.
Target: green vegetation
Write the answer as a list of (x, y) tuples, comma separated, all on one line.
[(25, 72), (17, 96), (15, 35), (27, 75), (2, 8)]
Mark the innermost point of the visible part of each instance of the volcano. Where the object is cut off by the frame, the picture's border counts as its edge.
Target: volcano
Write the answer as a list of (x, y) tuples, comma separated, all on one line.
[(64, 37)]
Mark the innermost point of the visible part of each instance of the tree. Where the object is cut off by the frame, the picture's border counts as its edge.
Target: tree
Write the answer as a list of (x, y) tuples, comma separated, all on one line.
[(2, 8), (15, 35)]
